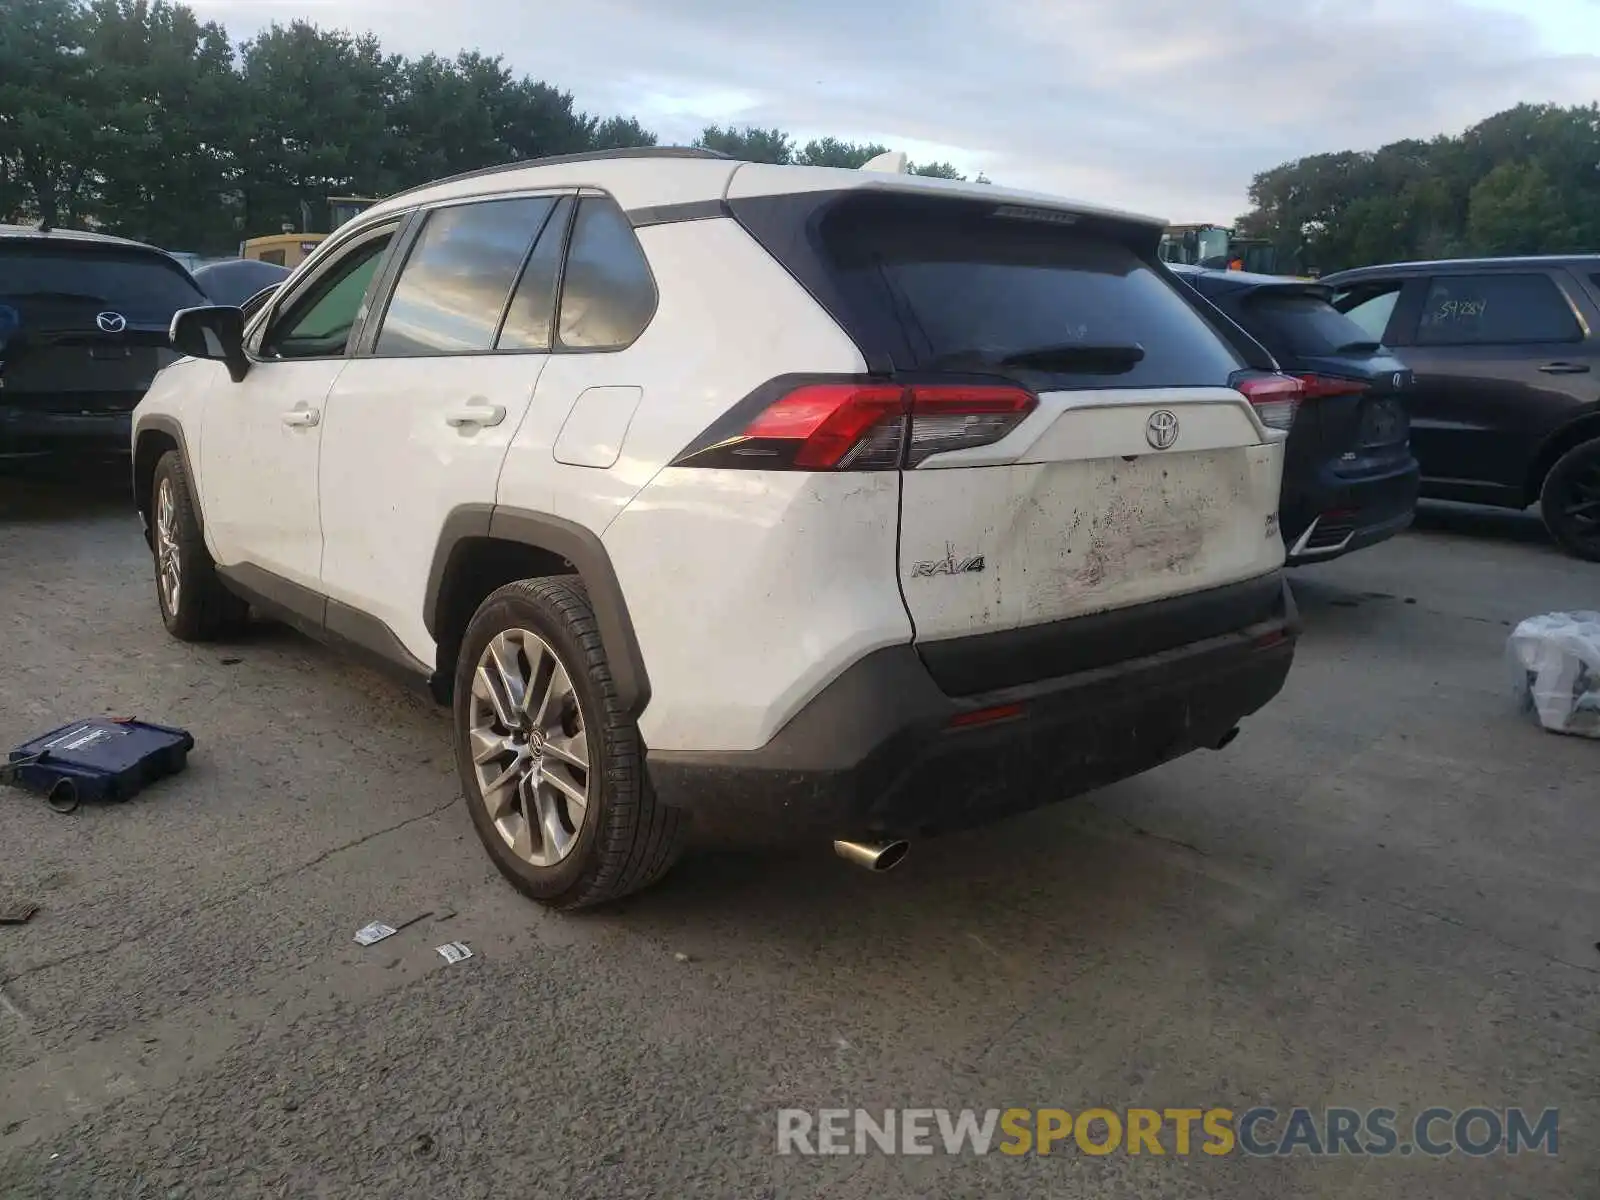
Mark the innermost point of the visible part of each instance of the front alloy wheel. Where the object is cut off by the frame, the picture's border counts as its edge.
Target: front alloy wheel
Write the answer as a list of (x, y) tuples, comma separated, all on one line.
[(194, 604), (169, 563), (530, 747)]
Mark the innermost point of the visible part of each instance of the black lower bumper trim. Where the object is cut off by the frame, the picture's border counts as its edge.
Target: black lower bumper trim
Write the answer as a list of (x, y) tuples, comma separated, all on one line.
[(883, 752), (25, 430), (983, 662)]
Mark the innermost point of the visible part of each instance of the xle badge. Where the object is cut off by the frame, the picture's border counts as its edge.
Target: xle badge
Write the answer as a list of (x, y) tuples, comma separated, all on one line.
[(948, 565)]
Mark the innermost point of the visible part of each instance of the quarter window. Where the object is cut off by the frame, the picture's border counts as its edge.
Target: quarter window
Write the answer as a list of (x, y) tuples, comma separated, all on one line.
[(1478, 310), (453, 289), (608, 295), (1370, 310)]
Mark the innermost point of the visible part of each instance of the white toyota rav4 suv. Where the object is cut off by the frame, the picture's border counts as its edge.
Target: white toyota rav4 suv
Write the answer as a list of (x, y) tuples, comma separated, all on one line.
[(740, 501)]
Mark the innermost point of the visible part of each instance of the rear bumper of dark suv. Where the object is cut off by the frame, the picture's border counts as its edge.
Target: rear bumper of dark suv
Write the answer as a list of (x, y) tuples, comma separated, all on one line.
[(1334, 513), (884, 752)]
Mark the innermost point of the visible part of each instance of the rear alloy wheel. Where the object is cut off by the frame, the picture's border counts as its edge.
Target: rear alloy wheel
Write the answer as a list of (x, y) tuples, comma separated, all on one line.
[(552, 768), (194, 604), (1570, 501), (530, 747)]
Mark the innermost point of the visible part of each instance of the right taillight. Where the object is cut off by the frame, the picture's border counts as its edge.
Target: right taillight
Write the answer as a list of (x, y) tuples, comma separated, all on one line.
[(1274, 397), (858, 425)]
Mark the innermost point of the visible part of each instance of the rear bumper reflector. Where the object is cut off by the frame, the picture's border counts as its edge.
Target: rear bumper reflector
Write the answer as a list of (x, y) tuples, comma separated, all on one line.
[(986, 716)]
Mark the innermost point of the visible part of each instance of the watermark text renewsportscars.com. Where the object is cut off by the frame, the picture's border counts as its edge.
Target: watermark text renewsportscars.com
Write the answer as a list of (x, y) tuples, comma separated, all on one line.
[(1477, 1132)]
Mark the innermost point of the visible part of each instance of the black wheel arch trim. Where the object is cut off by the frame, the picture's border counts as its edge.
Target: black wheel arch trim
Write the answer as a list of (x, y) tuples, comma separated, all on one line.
[(1577, 429), (577, 545), (171, 427)]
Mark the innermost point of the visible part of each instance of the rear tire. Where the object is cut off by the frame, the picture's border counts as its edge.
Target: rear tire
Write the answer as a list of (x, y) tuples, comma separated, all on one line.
[(195, 605), (1570, 501), (534, 698)]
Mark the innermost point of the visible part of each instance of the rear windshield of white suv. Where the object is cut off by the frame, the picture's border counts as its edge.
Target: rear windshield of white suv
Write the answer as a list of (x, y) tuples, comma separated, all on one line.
[(1065, 307), (142, 287)]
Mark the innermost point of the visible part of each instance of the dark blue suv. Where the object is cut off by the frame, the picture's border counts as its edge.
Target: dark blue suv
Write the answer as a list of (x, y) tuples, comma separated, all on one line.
[(1349, 478)]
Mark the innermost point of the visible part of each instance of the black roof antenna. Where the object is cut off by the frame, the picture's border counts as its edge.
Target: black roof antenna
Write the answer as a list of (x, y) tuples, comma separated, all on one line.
[(44, 225)]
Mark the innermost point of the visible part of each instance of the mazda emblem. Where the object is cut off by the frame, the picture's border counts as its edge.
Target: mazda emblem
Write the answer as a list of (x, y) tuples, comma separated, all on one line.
[(110, 322), (1161, 430)]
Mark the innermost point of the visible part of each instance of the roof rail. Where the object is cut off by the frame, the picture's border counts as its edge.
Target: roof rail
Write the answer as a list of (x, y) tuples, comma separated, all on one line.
[(892, 162), (556, 159)]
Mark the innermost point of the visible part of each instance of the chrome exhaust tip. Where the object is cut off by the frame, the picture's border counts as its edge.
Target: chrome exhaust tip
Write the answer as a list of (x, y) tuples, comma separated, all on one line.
[(1226, 739), (874, 856)]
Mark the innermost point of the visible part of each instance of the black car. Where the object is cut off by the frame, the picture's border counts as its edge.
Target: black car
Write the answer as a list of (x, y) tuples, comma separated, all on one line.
[(1349, 478), (234, 281), (83, 329), (1506, 353)]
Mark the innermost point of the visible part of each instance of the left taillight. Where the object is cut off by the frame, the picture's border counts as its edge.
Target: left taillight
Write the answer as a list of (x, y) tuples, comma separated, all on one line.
[(857, 425), (1320, 386), (1275, 398)]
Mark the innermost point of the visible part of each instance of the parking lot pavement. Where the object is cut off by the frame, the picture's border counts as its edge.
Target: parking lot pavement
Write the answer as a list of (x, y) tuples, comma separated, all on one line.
[(1383, 894)]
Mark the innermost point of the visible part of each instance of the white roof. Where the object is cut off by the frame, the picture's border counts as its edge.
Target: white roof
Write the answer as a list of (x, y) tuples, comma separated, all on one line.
[(656, 181)]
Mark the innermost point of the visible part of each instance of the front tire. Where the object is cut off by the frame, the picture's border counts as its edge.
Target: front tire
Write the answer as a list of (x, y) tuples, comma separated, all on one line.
[(552, 768), (195, 605), (1570, 501)]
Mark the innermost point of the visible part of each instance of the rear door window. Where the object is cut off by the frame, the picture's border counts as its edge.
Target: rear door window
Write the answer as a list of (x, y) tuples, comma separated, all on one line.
[(1485, 310), (1302, 323), (1058, 306), (454, 286), (144, 288), (532, 313)]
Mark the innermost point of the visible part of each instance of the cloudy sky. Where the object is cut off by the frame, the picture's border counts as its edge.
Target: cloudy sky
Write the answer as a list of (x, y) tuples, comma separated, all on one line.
[(1161, 106)]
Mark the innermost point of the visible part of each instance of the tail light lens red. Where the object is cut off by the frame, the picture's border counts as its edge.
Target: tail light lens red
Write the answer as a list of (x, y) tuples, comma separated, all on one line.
[(862, 426), (1275, 398), (833, 426), (1327, 385)]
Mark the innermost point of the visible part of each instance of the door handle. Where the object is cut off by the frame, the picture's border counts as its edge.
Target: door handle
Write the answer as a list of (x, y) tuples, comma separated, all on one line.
[(483, 415), (301, 418), (1565, 368)]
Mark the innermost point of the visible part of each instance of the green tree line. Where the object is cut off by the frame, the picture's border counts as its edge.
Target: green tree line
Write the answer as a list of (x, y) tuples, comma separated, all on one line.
[(1524, 181), (135, 117)]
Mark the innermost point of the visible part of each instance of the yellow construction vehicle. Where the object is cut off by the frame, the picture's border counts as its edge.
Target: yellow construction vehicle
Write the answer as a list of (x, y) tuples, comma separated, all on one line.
[(291, 248)]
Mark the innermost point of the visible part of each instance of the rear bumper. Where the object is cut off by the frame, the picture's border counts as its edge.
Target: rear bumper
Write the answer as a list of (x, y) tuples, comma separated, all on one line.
[(1338, 513), (26, 430), (883, 752)]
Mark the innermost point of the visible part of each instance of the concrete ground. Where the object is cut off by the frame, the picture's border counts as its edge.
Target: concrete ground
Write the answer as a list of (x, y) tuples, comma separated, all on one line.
[(1385, 893)]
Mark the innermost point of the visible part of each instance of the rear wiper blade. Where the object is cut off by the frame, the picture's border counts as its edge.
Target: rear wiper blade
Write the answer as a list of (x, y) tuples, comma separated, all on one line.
[(1358, 348), (1090, 358)]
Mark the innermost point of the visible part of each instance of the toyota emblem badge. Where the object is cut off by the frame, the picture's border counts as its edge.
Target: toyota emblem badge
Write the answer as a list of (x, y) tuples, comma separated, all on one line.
[(110, 322), (1161, 430)]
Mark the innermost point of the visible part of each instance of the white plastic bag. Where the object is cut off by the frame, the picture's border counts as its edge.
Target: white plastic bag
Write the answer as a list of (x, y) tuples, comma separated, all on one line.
[(1555, 661)]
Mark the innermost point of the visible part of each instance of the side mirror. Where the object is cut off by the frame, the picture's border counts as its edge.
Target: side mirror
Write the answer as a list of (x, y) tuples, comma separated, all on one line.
[(214, 333)]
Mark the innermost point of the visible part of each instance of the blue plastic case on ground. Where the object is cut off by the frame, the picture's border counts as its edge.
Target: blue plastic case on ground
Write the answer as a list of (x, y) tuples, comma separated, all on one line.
[(101, 758)]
